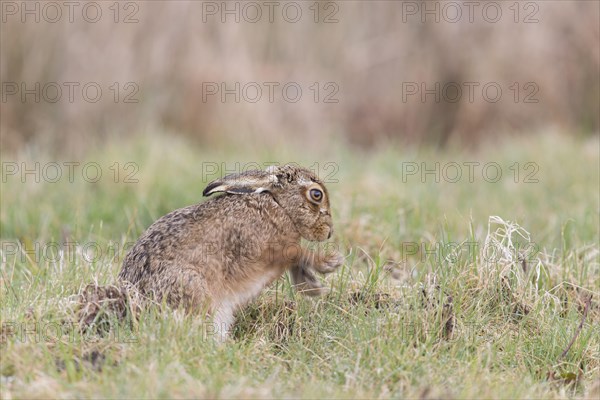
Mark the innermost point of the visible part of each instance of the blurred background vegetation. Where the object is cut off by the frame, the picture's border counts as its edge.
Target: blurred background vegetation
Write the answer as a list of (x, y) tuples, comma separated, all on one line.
[(361, 53)]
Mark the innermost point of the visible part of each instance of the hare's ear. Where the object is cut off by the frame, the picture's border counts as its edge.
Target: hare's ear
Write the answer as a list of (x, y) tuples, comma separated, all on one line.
[(244, 183)]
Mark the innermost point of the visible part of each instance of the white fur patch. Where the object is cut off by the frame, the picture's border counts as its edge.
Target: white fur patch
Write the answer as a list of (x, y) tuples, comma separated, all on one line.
[(234, 300), (253, 289), (304, 182)]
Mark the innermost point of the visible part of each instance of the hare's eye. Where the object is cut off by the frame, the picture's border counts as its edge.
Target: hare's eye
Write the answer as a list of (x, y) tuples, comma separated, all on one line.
[(316, 195)]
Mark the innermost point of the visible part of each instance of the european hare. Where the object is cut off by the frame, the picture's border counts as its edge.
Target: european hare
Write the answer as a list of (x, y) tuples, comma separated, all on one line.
[(218, 255)]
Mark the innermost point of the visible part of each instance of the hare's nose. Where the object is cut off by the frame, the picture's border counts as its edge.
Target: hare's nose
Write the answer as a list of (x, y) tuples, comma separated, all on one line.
[(330, 233)]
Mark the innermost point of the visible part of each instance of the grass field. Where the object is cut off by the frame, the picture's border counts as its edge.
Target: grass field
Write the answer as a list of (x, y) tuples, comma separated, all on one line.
[(469, 287)]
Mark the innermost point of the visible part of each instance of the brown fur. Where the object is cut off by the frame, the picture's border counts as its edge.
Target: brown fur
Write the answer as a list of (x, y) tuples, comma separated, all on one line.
[(218, 255)]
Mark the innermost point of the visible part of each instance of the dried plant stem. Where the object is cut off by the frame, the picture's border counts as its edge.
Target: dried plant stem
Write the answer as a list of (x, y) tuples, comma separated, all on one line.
[(578, 331)]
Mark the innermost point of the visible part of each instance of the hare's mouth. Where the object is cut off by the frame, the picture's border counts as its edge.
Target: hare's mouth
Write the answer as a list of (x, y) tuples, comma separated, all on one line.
[(323, 232)]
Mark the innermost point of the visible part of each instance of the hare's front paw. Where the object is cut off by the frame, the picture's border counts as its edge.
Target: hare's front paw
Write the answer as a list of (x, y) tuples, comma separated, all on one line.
[(330, 262), (306, 282)]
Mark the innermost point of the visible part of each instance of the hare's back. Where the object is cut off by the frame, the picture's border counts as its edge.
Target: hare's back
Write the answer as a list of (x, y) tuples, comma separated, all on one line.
[(219, 220)]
